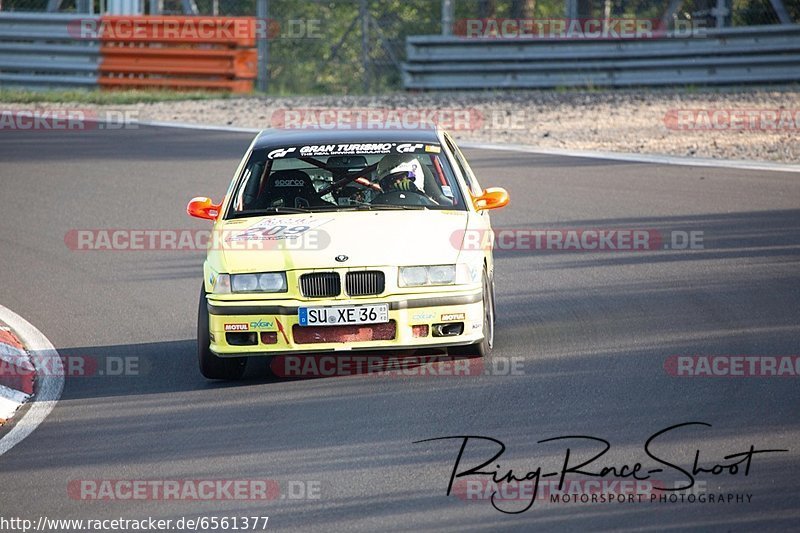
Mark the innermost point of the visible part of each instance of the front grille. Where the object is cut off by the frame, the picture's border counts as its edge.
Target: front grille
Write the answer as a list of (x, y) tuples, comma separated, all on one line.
[(320, 285), (344, 334), (364, 282)]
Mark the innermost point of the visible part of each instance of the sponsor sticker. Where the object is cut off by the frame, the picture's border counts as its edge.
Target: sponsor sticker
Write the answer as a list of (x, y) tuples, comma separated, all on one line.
[(345, 149), (278, 228), (237, 327), (289, 183), (408, 148), (322, 150), (280, 152)]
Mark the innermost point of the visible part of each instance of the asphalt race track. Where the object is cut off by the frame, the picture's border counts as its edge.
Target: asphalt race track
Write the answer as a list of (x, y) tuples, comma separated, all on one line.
[(591, 334)]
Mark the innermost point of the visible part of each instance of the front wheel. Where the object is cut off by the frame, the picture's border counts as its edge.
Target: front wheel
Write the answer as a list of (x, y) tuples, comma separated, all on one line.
[(484, 347), (211, 366)]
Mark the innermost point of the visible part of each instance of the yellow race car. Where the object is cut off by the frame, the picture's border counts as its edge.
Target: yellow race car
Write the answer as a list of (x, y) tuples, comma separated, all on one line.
[(347, 240)]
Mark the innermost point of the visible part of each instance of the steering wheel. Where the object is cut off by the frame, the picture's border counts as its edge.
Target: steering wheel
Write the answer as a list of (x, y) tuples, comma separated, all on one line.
[(410, 197)]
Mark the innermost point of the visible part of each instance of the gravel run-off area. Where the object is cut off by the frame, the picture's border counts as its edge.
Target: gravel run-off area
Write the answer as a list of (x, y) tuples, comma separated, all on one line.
[(757, 124)]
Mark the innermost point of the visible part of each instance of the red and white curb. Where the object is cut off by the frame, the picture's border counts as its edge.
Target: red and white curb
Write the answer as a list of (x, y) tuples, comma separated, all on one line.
[(16, 374), (30, 371)]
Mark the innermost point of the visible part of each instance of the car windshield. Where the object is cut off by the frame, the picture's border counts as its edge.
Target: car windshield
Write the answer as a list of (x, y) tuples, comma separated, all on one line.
[(299, 179)]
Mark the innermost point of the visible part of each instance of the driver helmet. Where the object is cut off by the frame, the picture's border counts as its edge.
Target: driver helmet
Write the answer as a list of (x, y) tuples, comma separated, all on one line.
[(402, 163)]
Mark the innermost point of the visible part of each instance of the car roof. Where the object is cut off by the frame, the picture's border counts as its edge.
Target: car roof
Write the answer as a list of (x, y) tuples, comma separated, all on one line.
[(273, 137)]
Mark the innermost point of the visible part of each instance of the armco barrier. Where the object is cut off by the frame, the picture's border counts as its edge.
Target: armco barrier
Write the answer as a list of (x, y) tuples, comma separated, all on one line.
[(756, 54), (40, 50), (128, 52)]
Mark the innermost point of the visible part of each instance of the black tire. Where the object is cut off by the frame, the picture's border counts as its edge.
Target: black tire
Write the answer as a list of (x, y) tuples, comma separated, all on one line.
[(211, 366), (484, 347)]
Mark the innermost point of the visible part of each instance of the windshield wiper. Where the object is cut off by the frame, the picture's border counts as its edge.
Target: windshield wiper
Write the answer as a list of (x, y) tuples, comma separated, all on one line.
[(379, 207), (406, 207), (354, 207), (270, 210)]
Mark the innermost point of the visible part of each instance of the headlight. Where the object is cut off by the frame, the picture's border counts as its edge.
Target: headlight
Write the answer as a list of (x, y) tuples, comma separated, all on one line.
[(244, 282), (442, 275), (272, 282), (418, 276), (266, 282), (413, 276)]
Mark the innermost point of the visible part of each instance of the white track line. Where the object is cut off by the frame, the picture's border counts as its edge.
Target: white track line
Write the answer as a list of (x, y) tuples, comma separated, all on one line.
[(50, 378), (613, 156), (640, 158), (190, 126)]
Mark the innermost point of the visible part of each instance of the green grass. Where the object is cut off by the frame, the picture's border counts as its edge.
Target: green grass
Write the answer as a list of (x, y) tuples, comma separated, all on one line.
[(26, 96)]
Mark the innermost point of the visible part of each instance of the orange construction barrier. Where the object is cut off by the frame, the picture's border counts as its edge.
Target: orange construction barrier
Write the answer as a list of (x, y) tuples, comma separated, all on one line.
[(179, 52)]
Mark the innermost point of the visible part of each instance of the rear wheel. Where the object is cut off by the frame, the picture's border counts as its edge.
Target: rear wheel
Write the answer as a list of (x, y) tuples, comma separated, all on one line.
[(211, 366), (484, 347)]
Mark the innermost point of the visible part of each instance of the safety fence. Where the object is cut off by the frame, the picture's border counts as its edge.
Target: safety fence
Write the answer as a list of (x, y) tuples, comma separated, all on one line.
[(119, 52), (756, 54)]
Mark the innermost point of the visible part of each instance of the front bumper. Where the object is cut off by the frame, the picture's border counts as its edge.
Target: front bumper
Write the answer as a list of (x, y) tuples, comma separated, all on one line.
[(270, 327)]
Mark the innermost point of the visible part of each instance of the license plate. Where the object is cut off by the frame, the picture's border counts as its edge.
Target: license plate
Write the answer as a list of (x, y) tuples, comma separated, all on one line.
[(343, 315)]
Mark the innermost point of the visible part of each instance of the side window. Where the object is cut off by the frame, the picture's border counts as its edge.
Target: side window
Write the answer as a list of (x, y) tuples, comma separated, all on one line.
[(463, 167)]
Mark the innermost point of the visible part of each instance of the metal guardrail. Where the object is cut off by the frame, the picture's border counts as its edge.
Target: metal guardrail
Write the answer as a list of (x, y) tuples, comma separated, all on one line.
[(41, 50), (56, 50), (755, 54)]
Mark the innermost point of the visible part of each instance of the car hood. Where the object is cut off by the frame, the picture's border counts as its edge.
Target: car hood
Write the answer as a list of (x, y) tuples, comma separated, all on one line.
[(356, 238)]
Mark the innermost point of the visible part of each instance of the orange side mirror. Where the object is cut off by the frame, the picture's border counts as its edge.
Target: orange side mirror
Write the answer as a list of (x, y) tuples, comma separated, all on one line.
[(201, 207), (492, 198)]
